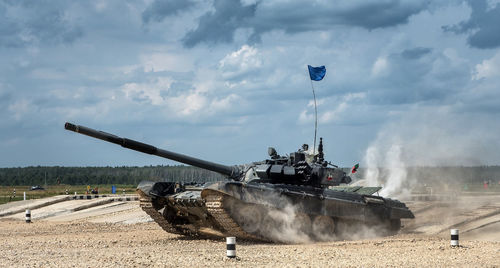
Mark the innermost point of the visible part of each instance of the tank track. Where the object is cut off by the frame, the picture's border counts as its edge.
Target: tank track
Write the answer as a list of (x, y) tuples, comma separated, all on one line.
[(215, 206), (146, 205)]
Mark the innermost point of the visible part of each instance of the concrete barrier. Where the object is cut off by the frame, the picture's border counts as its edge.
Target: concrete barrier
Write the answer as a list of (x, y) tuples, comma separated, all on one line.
[(115, 197), (33, 204)]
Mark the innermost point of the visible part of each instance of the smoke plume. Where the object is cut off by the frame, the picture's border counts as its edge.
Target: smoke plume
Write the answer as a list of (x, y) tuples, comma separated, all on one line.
[(427, 139)]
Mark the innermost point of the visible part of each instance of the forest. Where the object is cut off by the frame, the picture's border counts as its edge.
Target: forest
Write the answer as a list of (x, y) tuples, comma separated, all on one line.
[(44, 175)]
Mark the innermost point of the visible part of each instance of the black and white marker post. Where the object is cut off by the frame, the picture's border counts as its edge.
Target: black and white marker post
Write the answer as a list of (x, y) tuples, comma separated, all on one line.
[(28, 216), (231, 247), (454, 238)]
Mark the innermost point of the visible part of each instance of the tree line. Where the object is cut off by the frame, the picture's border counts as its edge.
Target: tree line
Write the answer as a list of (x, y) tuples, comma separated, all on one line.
[(41, 175)]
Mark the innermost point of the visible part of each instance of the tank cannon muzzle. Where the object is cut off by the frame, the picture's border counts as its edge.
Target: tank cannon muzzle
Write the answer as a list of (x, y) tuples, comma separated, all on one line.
[(230, 171)]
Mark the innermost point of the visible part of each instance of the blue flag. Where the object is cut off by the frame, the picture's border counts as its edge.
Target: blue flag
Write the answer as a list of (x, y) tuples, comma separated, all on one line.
[(316, 73)]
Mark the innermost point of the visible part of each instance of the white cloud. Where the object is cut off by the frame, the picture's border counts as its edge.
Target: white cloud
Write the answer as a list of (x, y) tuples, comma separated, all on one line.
[(488, 68), (20, 108), (225, 103), (199, 105), (161, 61), (195, 103), (188, 104), (150, 92), (330, 109), (100, 5), (47, 73), (246, 59), (380, 67)]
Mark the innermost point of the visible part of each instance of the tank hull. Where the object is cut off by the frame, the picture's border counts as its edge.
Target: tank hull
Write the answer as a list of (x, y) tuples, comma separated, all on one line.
[(268, 212)]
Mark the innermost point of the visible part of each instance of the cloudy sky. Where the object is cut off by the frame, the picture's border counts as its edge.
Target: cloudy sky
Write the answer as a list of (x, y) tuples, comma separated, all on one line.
[(225, 79)]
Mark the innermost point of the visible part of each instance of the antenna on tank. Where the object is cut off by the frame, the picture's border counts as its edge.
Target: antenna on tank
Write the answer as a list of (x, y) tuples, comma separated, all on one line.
[(316, 74), (315, 118)]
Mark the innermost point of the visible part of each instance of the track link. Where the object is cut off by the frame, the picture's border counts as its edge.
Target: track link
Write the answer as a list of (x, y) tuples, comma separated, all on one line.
[(215, 206), (147, 205)]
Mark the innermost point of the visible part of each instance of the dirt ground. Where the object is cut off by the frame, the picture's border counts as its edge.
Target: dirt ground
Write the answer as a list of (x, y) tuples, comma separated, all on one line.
[(106, 236), (63, 244)]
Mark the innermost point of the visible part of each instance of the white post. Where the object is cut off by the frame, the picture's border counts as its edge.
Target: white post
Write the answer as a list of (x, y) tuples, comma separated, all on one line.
[(231, 247), (454, 238), (24, 196), (28, 216)]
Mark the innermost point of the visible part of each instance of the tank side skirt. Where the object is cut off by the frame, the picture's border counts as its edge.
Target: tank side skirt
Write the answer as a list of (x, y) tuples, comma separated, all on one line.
[(321, 201), (311, 202)]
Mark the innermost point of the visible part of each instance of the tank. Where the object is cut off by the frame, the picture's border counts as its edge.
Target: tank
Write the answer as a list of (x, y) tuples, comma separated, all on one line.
[(296, 198)]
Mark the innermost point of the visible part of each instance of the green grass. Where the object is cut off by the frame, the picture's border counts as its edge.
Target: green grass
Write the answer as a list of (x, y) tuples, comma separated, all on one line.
[(7, 192)]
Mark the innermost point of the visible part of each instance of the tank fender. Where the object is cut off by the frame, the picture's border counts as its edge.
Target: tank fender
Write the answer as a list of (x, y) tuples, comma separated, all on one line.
[(399, 213), (208, 191), (374, 199)]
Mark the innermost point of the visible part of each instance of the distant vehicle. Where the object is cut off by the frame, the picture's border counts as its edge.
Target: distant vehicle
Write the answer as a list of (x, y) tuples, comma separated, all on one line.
[(36, 187)]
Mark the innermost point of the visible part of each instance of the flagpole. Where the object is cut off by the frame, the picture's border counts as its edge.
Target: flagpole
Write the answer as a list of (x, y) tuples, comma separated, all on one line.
[(315, 118)]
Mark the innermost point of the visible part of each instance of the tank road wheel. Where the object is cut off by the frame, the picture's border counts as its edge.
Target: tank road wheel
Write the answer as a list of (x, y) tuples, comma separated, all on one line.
[(323, 228), (249, 217), (302, 222), (394, 226), (169, 214), (388, 227)]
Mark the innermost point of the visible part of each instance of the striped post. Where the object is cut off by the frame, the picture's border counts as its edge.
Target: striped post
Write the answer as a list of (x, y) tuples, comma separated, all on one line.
[(231, 247), (454, 237), (28, 216)]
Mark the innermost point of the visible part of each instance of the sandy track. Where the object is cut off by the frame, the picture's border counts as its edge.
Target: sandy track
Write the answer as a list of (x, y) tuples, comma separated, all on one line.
[(56, 244), (119, 234), (475, 216)]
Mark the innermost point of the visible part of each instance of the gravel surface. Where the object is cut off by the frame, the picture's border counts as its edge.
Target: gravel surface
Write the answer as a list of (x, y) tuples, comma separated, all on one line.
[(84, 244)]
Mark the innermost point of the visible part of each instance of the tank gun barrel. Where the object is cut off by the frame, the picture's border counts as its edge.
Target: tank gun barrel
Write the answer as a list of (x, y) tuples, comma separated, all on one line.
[(231, 171)]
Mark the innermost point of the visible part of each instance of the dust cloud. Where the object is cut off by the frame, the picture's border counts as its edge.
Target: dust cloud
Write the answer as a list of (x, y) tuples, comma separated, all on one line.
[(277, 218), (426, 139), (285, 225)]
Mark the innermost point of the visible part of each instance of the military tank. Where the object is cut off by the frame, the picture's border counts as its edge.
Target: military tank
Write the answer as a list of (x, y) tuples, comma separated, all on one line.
[(294, 198)]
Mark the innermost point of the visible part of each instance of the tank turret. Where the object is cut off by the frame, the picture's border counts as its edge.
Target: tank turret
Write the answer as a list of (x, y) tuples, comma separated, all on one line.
[(296, 169)]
